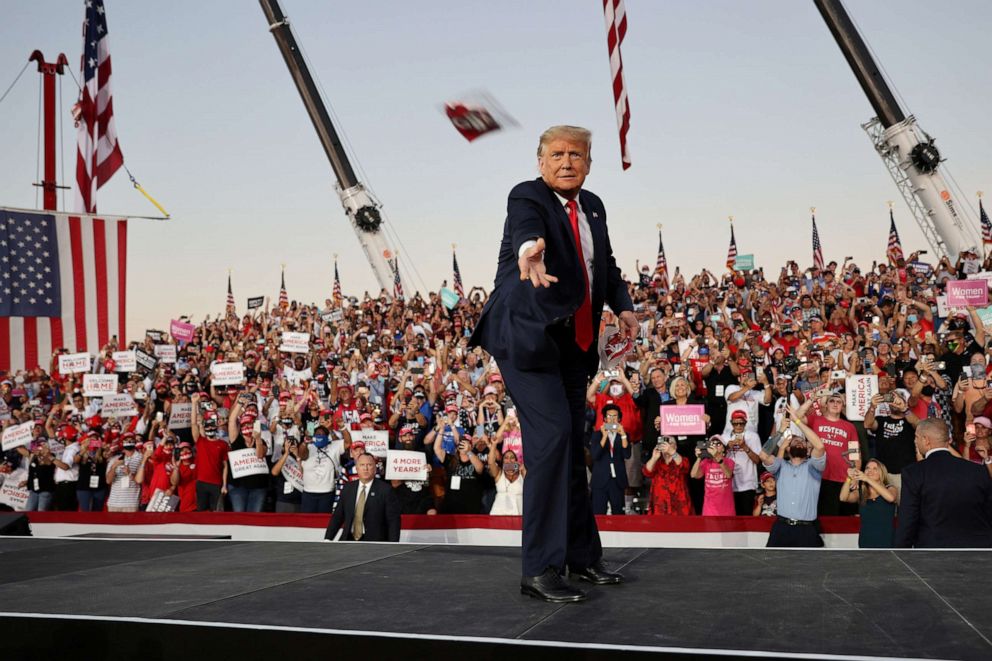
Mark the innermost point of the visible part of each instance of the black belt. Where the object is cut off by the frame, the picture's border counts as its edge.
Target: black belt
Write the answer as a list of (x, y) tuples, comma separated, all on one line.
[(796, 522)]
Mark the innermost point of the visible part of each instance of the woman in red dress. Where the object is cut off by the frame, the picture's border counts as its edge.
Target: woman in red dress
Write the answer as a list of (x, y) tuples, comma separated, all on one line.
[(667, 470)]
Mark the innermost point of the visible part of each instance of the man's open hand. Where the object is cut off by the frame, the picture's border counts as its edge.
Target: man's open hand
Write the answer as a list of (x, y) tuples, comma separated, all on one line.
[(531, 265)]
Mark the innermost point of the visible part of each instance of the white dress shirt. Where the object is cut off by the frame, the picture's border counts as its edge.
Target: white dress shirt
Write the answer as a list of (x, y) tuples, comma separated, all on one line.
[(585, 235)]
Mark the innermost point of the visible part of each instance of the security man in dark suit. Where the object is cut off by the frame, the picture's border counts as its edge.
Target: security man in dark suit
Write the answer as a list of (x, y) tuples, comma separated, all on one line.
[(946, 501), (609, 448), (556, 270), (368, 509)]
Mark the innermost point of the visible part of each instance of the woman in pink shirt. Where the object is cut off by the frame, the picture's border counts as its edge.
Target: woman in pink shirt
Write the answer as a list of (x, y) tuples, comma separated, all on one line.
[(716, 471)]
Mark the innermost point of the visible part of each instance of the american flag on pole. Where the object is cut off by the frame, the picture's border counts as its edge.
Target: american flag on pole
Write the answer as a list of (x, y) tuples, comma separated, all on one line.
[(616, 30), (230, 296), (283, 298), (732, 250), (894, 251), (62, 284), (661, 267), (337, 295), (817, 248), (986, 224), (98, 154), (397, 283), (457, 279)]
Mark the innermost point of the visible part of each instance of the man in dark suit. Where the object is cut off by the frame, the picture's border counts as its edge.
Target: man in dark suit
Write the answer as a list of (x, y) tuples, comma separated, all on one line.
[(368, 510), (556, 270), (946, 501), (609, 448)]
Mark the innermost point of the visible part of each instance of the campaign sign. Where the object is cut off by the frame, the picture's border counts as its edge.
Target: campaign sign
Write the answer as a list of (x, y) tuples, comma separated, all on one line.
[(967, 292), (125, 361), (160, 502), (682, 420), (13, 495), (74, 363), (166, 353), (146, 362), (246, 462), (405, 465), (181, 415), (376, 441), (255, 302), (154, 335), (227, 374), (99, 385), (744, 263), (17, 435), (859, 389), (181, 330), (449, 298), (295, 342), (118, 406), (293, 473), (332, 316)]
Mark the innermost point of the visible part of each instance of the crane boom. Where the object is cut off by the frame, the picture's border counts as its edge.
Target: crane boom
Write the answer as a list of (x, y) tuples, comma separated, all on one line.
[(362, 210), (908, 152)]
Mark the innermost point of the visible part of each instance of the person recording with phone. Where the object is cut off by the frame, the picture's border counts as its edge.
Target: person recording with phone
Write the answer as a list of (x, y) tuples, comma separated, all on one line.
[(717, 471), (668, 471), (895, 433), (798, 470), (609, 447)]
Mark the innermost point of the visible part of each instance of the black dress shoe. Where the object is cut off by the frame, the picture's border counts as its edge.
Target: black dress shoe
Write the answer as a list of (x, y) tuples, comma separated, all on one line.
[(551, 587), (597, 574)]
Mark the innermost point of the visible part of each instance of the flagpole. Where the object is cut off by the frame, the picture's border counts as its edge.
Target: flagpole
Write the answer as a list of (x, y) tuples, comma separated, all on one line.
[(985, 254)]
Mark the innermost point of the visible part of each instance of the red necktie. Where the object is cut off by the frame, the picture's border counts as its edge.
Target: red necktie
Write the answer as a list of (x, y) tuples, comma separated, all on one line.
[(583, 316)]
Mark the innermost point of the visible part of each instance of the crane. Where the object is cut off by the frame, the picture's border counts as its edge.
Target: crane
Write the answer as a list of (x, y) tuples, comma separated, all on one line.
[(909, 153), (359, 205)]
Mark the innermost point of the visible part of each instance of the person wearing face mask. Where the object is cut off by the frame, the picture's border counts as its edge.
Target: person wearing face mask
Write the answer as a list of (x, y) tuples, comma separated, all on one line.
[(894, 434), (616, 390), (91, 490), (125, 490), (211, 452), (798, 470), (320, 460), (609, 447), (183, 479)]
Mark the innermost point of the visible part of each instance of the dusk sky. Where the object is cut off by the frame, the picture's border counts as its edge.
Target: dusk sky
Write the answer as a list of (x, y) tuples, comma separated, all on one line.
[(737, 108)]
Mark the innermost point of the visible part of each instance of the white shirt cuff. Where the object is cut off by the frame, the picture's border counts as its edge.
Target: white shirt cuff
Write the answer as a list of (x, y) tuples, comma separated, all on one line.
[(524, 246)]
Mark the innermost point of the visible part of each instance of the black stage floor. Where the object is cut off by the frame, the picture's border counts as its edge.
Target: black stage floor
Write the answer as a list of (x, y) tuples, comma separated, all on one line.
[(88, 599)]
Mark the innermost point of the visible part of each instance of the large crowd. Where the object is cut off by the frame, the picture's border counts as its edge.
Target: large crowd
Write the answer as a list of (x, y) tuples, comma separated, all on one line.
[(767, 354)]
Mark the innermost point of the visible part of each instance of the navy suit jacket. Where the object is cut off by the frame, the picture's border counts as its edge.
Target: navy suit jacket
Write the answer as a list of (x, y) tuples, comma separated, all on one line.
[(515, 321), (601, 460), (381, 518), (946, 503)]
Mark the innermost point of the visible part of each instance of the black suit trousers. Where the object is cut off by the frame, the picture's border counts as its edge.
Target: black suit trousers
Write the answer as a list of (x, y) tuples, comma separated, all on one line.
[(559, 528)]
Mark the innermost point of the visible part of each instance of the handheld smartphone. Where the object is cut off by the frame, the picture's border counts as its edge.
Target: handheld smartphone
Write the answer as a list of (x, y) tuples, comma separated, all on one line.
[(257, 427)]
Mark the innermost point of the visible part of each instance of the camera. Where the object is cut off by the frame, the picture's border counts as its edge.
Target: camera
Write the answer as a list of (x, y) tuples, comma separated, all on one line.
[(704, 449), (611, 426)]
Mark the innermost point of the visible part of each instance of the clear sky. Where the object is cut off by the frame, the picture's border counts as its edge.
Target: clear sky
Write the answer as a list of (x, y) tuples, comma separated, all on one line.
[(743, 108)]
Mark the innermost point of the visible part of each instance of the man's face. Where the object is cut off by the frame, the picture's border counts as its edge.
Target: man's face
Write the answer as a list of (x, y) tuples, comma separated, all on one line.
[(835, 405), (610, 417), (564, 164), (365, 466)]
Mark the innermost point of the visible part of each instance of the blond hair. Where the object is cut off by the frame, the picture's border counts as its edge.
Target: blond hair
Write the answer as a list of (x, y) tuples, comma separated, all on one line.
[(883, 474), (565, 131)]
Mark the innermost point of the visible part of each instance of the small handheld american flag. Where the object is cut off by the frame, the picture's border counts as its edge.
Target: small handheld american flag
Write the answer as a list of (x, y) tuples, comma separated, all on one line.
[(986, 223), (283, 297), (661, 267), (817, 248), (230, 296), (732, 250), (457, 278), (397, 283), (894, 251), (337, 296)]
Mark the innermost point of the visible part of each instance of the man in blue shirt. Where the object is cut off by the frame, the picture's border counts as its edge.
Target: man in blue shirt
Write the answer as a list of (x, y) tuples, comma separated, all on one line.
[(797, 484)]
